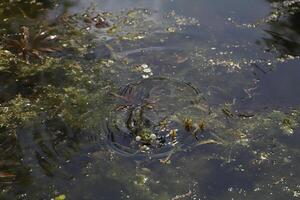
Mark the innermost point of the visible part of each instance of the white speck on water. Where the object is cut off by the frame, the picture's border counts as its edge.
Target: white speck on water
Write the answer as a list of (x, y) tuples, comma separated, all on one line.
[(51, 37), (145, 76), (138, 138), (144, 66), (147, 70), (153, 136)]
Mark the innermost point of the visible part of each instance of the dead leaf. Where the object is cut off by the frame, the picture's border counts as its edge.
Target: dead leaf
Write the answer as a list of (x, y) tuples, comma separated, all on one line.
[(7, 175)]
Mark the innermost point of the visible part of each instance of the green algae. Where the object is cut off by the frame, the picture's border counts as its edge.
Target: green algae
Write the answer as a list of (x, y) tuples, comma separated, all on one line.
[(75, 90)]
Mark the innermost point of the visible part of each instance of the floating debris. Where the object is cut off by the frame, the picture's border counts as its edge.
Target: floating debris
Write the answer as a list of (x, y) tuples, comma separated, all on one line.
[(188, 124), (173, 134), (145, 70), (182, 196)]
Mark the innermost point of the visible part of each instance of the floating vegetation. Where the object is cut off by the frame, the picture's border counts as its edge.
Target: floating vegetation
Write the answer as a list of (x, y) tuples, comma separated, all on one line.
[(60, 197), (145, 70), (30, 47), (280, 9), (98, 21), (15, 113), (26, 8), (65, 124), (129, 25), (188, 124), (282, 37), (227, 112)]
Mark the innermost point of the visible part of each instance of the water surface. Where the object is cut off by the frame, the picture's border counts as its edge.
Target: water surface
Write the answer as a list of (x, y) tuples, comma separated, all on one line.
[(149, 99)]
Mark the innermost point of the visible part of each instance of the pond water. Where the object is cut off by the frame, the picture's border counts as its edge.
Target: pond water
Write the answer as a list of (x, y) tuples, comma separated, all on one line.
[(161, 99)]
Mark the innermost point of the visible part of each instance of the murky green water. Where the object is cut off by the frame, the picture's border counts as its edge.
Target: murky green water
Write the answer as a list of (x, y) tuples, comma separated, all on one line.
[(148, 99)]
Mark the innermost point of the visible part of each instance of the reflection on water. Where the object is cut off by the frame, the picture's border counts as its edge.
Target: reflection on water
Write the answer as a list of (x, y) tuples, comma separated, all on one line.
[(157, 99), (272, 92), (284, 35)]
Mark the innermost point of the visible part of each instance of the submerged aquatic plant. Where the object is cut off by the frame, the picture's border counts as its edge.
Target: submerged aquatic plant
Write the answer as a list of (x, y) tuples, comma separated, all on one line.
[(30, 47), (130, 100)]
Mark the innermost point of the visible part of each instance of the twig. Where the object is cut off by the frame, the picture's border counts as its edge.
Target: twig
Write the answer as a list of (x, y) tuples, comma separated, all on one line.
[(181, 196), (167, 160)]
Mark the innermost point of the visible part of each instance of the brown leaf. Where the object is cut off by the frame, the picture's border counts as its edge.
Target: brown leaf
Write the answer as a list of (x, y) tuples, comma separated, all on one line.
[(7, 175)]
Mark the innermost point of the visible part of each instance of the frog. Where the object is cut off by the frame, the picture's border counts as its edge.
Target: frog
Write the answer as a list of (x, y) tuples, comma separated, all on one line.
[(139, 125)]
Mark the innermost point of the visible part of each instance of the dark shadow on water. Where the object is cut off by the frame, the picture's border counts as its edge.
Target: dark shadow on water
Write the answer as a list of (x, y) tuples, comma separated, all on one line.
[(11, 84), (284, 33), (49, 153), (224, 175)]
